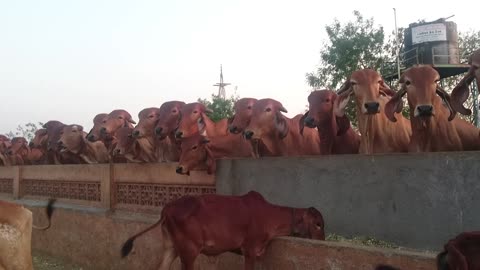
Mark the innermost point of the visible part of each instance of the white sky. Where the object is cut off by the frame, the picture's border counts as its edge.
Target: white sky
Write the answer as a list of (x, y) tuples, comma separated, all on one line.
[(69, 60)]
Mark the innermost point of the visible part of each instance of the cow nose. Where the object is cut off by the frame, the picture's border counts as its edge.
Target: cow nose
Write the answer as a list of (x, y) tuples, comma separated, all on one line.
[(31, 144), (116, 151), (372, 107), (309, 121), (103, 130), (248, 134), (59, 143), (179, 169), (158, 130), (178, 134), (425, 110), (233, 129), (136, 133)]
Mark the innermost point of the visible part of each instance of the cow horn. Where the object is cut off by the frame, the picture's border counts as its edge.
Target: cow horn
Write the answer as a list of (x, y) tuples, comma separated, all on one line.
[(282, 109), (130, 120), (386, 90), (446, 98), (345, 87), (207, 110)]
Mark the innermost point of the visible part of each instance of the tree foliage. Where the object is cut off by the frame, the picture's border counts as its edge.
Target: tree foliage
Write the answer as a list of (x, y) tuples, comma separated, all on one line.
[(27, 131), (222, 108)]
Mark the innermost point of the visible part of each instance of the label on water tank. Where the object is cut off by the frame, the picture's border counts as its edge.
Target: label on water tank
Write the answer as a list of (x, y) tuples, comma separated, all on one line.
[(429, 32)]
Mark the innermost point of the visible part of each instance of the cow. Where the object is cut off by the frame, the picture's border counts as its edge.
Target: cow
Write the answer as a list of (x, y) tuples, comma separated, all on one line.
[(461, 252), (36, 156), (212, 224), (199, 151), (126, 146), (73, 140), (336, 134), (145, 135), (279, 134), (242, 115), (378, 133), (115, 120), (94, 133), (4, 145), (461, 91), (38, 147), (193, 119), (16, 234), (54, 156), (168, 147), (434, 126), (18, 151)]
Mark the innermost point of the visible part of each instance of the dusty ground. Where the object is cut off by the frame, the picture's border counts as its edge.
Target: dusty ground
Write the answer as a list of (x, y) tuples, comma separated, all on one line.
[(42, 261)]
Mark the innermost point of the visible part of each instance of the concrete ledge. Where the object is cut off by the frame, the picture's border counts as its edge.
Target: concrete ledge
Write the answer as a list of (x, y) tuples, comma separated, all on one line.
[(94, 241)]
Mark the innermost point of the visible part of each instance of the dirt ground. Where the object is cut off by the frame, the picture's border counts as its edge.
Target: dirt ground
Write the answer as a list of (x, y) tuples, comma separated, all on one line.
[(42, 261)]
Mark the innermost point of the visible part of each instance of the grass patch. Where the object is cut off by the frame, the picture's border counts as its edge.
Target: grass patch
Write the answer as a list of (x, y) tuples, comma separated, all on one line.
[(42, 261), (361, 240)]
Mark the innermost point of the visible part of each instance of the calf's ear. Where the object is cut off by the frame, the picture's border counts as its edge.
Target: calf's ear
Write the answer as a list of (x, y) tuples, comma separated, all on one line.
[(281, 125), (301, 122)]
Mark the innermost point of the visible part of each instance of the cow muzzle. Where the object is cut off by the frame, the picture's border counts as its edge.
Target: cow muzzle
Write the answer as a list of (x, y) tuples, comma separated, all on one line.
[(372, 107), (181, 170), (233, 129), (178, 134), (248, 134), (424, 111), (136, 133)]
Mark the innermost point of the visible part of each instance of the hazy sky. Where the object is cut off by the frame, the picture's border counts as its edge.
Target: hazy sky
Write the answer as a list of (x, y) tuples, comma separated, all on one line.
[(69, 60)]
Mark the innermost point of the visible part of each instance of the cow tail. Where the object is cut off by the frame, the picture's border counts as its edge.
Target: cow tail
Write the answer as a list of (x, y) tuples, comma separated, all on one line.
[(127, 247), (49, 211)]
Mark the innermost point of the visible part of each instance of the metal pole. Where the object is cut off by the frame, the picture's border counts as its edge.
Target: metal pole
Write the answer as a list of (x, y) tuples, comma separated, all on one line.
[(397, 51), (475, 103)]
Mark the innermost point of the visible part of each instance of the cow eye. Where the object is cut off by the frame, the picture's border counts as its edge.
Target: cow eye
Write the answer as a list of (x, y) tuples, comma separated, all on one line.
[(74, 130), (194, 147), (195, 111), (120, 117), (327, 100), (249, 107), (319, 225), (268, 109), (407, 83), (174, 111), (151, 116), (104, 121)]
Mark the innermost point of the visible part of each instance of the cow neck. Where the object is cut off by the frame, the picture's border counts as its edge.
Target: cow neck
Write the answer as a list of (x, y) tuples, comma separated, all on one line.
[(433, 133), (147, 148), (327, 131), (284, 220)]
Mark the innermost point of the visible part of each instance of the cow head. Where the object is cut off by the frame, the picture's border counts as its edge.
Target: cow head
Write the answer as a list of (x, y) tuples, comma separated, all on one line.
[(71, 139), (147, 119), (267, 120), (98, 121), (115, 120), (420, 83), (461, 92), (54, 129), (40, 139), (194, 154), (125, 141), (367, 86), (243, 110), (320, 108), (169, 118), (310, 225), (5, 143), (18, 147), (192, 119)]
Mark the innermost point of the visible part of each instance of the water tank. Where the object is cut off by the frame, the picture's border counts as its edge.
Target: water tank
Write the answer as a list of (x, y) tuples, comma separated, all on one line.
[(431, 43)]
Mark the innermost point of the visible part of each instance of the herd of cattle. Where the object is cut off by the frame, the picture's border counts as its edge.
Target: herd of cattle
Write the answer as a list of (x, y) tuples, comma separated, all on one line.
[(179, 132)]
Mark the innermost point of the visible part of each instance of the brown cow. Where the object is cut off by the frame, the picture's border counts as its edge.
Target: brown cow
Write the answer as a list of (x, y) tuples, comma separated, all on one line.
[(126, 146), (434, 127), (461, 92), (243, 113), (168, 147), (94, 133), (36, 156), (193, 119), (54, 132), (145, 135), (378, 134), (279, 134), (115, 120), (213, 224), (4, 145), (336, 134), (461, 253), (199, 151), (17, 152), (38, 147), (16, 234), (73, 140)]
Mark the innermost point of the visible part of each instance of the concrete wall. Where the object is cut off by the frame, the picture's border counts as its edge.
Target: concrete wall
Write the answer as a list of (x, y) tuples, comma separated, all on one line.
[(92, 237), (414, 200)]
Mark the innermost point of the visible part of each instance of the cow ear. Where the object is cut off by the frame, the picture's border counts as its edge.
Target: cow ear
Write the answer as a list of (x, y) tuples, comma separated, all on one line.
[(395, 104), (442, 260), (343, 125), (446, 99), (385, 89), (460, 94), (281, 125), (230, 120), (340, 103), (301, 122)]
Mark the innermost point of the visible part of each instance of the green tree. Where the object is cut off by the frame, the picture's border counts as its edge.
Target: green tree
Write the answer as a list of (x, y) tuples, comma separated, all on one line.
[(27, 131), (222, 108)]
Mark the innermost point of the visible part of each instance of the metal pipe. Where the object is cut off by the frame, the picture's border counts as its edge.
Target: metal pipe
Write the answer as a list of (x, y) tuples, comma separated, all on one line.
[(397, 51)]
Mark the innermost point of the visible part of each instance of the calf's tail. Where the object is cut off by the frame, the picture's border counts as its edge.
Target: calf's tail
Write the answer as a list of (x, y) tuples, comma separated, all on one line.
[(49, 211), (127, 247)]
